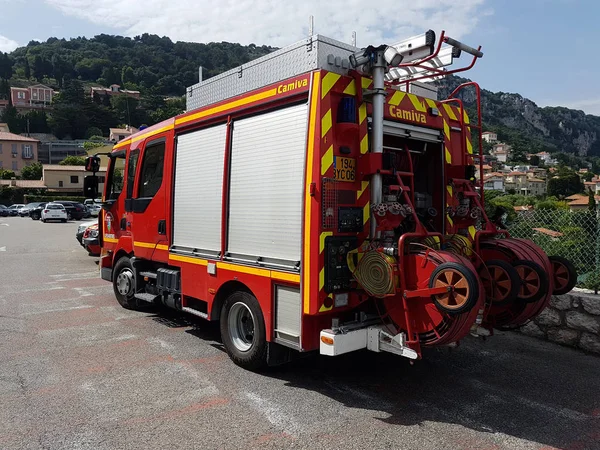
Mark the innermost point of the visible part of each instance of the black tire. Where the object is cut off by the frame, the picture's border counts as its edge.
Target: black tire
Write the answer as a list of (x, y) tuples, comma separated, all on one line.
[(69, 216), (510, 275), (64, 220), (471, 292), (127, 301), (531, 268), (43, 220), (570, 272), (254, 357)]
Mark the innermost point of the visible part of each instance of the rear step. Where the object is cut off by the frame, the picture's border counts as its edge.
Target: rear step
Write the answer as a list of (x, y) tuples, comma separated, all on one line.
[(150, 298), (148, 274), (194, 312)]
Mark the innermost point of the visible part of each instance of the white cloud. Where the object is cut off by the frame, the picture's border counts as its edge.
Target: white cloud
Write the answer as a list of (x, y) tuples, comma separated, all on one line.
[(278, 22), (7, 45)]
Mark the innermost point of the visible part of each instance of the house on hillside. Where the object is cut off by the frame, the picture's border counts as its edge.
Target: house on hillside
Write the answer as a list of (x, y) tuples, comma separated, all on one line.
[(118, 134), (580, 202), (101, 94), (17, 151), (32, 98), (489, 137), (494, 182)]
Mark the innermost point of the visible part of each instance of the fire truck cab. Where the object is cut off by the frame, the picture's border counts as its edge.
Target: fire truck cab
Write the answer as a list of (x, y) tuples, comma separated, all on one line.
[(316, 199)]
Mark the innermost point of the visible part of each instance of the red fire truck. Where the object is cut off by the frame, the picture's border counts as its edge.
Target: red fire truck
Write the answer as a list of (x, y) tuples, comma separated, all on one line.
[(320, 198)]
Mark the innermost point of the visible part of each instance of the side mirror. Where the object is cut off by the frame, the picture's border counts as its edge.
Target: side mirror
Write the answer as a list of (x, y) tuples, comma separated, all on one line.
[(90, 186), (92, 164)]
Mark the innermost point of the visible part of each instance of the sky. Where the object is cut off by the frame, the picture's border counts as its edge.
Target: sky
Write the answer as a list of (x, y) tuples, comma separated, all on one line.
[(544, 50)]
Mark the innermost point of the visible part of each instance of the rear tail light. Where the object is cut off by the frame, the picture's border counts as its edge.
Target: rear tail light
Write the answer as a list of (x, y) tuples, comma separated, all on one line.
[(45, 211)]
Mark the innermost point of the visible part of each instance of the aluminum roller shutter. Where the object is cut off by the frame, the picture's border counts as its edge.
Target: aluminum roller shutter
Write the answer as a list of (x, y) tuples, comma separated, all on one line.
[(266, 188), (199, 189)]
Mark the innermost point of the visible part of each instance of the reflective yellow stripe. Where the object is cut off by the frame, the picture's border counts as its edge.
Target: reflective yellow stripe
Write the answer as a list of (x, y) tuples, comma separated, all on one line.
[(366, 212), (351, 89), (312, 123), (244, 269), (227, 106), (162, 247), (188, 259), (450, 221), (364, 185), (364, 144), (120, 144), (465, 116), (362, 113), (144, 244), (449, 111), (324, 308), (448, 156), (450, 190), (397, 98), (322, 240), (472, 231), (283, 276), (419, 106), (431, 103), (322, 278), (327, 160), (469, 146), (111, 240), (329, 81), (446, 129), (366, 82), (326, 123)]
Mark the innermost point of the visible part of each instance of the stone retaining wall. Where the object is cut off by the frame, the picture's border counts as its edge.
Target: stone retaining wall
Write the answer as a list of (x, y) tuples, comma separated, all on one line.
[(572, 319)]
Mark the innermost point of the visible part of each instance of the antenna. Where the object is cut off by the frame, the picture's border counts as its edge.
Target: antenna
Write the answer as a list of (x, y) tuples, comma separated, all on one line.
[(311, 25), (354, 39)]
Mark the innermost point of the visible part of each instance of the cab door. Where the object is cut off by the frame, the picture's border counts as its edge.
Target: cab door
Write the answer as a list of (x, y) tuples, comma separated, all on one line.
[(147, 205)]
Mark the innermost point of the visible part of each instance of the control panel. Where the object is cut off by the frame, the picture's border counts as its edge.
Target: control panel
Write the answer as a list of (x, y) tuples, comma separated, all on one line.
[(350, 220), (337, 273)]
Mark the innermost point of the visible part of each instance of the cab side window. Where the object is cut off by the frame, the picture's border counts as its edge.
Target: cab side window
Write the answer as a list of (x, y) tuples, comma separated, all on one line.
[(151, 174)]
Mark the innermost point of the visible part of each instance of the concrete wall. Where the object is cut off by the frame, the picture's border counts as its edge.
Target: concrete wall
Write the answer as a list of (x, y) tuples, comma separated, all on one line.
[(572, 319)]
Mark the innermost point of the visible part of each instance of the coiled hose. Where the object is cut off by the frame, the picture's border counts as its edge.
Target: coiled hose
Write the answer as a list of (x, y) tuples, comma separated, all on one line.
[(374, 272)]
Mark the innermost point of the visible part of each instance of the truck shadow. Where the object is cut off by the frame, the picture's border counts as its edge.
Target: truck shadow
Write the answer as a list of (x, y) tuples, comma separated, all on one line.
[(511, 384)]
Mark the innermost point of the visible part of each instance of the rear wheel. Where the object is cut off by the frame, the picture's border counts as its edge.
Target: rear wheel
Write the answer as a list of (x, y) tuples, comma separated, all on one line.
[(565, 275), (501, 282), (462, 284), (534, 281), (124, 283), (243, 331)]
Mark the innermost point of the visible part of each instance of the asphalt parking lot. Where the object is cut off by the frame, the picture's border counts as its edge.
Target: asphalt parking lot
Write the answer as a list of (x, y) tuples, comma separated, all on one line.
[(78, 371)]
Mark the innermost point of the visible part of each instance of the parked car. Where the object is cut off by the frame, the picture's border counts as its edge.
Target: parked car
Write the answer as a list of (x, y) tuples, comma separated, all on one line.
[(93, 209), (13, 210), (54, 211), (81, 229), (90, 240), (89, 201), (3, 211), (36, 213), (75, 210), (25, 210)]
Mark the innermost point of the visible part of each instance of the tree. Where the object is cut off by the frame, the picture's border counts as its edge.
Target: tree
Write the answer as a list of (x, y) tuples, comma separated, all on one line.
[(534, 160), (6, 66), (93, 131), (587, 176), (591, 200), (27, 69), (32, 171), (6, 174), (563, 186), (73, 161)]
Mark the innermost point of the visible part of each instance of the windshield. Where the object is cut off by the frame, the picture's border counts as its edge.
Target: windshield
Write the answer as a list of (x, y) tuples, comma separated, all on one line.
[(55, 207), (114, 180)]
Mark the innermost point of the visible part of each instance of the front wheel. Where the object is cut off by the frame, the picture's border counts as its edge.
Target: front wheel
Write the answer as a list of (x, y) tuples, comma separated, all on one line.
[(565, 275), (243, 331), (124, 283), (534, 281), (501, 282)]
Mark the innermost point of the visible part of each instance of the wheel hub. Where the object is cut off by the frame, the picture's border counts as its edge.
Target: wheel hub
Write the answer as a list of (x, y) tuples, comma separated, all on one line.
[(241, 326), (125, 282)]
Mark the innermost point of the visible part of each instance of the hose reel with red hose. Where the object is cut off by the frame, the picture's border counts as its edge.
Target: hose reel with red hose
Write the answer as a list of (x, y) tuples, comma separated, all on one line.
[(435, 319)]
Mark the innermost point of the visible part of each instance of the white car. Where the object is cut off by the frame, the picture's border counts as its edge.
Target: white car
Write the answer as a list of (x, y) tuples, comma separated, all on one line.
[(54, 211), (94, 209)]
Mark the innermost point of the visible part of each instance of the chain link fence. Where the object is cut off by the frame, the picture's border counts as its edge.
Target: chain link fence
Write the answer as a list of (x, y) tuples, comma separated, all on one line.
[(574, 235)]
